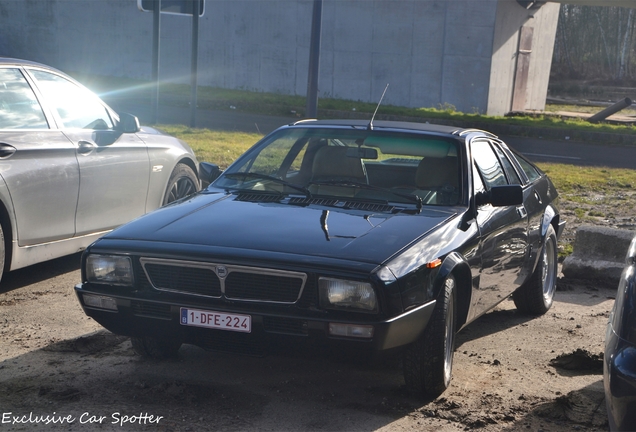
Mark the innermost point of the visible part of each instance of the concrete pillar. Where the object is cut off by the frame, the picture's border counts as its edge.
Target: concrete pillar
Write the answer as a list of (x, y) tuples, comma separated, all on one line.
[(510, 19)]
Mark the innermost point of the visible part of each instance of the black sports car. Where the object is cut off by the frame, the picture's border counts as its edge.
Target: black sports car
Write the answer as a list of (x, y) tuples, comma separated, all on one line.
[(619, 366), (379, 237)]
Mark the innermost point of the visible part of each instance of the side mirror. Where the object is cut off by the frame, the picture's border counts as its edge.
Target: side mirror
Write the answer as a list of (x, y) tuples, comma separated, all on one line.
[(128, 123), (208, 172), (501, 196)]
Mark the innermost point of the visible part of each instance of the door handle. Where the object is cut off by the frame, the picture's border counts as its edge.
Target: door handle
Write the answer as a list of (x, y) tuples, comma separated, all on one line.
[(538, 197), (6, 150), (85, 147), (521, 210)]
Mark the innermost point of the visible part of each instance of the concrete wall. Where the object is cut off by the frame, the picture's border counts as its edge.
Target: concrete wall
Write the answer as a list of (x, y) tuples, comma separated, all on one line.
[(431, 52)]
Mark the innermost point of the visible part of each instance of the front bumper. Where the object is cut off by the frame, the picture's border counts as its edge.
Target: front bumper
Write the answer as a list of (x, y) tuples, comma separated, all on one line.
[(271, 329)]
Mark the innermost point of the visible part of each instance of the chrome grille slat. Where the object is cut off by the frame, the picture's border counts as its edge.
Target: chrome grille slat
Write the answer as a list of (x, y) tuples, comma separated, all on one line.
[(237, 283)]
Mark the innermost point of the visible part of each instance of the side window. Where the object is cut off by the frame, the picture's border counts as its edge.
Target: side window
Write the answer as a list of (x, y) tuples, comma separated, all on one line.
[(528, 168), (77, 107), (488, 164), (478, 185), (513, 177), (19, 108)]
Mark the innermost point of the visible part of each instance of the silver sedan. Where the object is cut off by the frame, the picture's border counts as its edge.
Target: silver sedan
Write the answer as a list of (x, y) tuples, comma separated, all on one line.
[(72, 169)]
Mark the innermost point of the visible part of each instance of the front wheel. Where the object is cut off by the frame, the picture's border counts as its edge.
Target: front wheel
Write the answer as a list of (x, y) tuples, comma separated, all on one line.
[(428, 362), (537, 294), (183, 182)]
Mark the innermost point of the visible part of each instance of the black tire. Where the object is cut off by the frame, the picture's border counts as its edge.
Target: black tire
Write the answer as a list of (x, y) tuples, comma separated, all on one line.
[(535, 297), (428, 362), (183, 182), (154, 348)]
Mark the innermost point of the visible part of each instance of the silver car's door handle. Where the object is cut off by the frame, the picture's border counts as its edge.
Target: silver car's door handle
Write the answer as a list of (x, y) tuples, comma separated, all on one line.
[(85, 147), (6, 150), (521, 210)]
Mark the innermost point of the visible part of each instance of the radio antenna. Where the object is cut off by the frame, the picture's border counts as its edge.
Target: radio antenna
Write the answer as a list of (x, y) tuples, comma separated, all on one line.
[(370, 125)]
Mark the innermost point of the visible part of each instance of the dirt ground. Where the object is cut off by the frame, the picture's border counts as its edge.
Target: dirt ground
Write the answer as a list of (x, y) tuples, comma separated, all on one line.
[(511, 373)]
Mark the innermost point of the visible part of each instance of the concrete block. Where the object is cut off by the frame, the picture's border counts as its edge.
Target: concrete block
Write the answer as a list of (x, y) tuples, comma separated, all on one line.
[(599, 254)]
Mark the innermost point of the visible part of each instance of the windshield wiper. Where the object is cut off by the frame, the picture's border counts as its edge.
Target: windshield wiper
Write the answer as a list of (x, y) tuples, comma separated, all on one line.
[(411, 197), (258, 176)]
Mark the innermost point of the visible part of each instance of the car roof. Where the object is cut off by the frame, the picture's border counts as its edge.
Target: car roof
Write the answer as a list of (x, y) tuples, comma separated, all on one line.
[(396, 125), (20, 62)]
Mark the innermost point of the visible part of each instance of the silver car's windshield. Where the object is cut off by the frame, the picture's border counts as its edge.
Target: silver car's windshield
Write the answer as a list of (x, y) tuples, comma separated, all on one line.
[(352, 164)]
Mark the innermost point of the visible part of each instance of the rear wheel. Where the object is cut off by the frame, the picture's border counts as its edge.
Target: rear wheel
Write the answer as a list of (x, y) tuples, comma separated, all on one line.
[(155, 348), (537, 294), (183, 182), (428, 362)]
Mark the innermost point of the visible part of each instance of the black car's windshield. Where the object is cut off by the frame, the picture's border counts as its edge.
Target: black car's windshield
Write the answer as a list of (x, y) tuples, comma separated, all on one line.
[(351, 164)]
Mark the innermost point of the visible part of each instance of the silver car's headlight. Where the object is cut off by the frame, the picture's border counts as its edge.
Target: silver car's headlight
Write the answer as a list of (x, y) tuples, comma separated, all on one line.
[(109, 269), (345, 294)]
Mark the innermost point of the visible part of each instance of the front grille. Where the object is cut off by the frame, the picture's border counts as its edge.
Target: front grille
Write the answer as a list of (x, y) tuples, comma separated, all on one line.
[(262, 287), (218, 280), (151, 310), (194, 280)]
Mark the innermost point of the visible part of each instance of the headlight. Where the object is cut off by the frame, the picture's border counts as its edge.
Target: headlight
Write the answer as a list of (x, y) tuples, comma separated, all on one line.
[(337, 293), (109, 269)]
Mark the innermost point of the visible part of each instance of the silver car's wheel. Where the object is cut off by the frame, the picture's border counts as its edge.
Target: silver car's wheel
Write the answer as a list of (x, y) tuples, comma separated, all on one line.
[(428, 362), (537, 294), (183, 182)]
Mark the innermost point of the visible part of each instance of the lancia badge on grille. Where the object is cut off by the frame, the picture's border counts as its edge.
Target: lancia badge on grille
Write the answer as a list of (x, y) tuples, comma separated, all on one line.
[(221, 271)]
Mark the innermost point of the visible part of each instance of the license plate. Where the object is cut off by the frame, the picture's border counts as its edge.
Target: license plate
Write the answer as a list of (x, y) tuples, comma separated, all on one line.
[(216, 320)]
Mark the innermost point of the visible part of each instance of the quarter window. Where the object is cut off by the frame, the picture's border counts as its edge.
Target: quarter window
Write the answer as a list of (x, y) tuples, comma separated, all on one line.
[(488, 164), (76, 106), (19, 108), (513, 177), (530, 170)]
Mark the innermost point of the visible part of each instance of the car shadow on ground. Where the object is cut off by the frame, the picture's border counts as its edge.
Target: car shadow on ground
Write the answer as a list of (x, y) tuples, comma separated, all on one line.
[(39, 272), (495, 321), (99, 373)]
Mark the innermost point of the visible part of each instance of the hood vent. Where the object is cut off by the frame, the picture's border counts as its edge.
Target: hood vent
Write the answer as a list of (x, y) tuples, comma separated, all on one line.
[(354, 205), (379, 208), (255, 197), (315, 201)]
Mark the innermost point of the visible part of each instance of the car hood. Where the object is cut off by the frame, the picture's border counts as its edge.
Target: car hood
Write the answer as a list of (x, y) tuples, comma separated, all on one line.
[(220, 220)]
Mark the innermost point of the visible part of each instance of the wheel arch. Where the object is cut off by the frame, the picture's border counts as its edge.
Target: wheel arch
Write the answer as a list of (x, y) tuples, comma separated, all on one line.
[(7, 228), (457, 265), (550, 217), (189, 162)]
